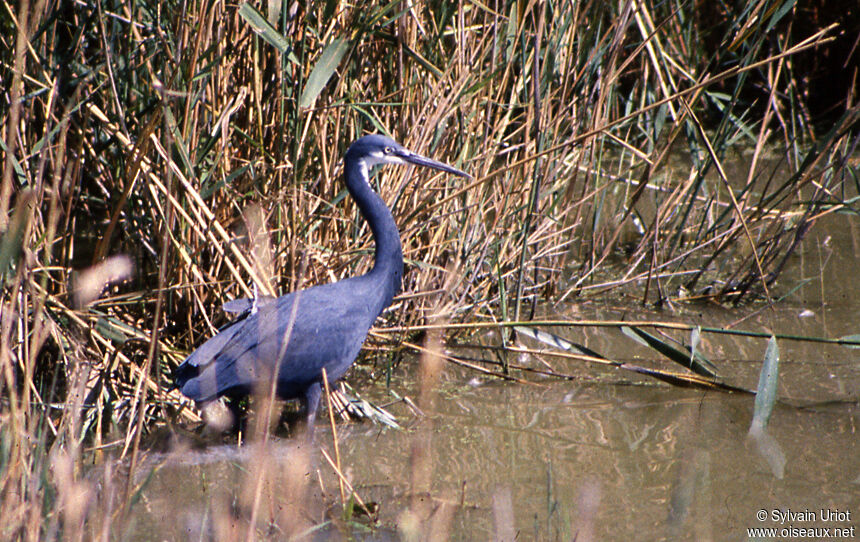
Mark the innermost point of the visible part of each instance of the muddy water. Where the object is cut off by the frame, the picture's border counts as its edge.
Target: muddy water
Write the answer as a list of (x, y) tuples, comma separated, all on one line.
[(608, 455)]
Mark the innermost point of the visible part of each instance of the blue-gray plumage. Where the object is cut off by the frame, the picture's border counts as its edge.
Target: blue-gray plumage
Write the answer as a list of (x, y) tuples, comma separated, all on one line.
[(290, 339)]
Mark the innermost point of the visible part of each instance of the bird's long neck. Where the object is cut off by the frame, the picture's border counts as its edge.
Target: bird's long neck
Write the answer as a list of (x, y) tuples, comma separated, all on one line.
[(388, 258)]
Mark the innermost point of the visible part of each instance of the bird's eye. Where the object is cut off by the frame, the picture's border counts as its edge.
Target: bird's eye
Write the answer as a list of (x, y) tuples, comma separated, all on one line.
[(388, 150)]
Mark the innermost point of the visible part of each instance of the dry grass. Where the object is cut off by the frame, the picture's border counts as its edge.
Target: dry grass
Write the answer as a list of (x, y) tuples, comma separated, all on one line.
[(177, 138)]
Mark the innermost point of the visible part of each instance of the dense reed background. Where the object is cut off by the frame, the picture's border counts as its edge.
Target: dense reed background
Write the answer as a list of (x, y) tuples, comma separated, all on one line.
[(183, 151)]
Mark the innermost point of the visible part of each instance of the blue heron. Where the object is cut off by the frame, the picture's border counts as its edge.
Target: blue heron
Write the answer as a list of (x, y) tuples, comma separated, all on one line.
[(288, 341)]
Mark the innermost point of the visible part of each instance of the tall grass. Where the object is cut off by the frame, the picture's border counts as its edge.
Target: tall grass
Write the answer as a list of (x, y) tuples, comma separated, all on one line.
[(202, 141)]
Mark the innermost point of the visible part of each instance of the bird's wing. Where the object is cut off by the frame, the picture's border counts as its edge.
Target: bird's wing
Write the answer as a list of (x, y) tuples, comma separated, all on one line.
[(293, 337)]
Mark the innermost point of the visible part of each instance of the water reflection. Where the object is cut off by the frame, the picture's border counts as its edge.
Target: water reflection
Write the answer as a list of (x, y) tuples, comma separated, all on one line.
[(653, 463), (562, 460)]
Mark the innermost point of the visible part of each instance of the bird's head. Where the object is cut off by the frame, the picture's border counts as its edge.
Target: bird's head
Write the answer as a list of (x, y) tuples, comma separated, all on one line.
[(376, 149)]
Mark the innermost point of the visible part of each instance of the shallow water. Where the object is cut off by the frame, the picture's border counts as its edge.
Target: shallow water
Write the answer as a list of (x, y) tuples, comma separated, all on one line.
[(607, 455)]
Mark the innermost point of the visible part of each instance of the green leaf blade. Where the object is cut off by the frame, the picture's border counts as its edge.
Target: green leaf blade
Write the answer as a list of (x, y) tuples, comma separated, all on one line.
[(765, 396), (322, 71), (263, 28)]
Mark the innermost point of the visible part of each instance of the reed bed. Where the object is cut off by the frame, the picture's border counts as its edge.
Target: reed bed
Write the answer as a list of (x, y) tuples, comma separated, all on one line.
[(161, 158)]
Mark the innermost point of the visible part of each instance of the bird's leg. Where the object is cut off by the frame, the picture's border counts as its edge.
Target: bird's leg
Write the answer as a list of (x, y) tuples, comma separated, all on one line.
[(312, 403)]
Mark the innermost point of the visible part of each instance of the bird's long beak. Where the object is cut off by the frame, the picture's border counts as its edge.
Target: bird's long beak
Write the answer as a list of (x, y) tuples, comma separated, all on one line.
[(418, 160)]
